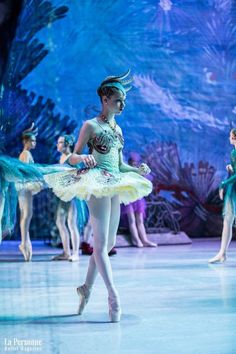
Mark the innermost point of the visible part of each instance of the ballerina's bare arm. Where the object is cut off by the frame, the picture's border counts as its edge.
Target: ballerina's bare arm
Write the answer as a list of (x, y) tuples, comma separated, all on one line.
[(84, 136), (124, 167), (142, 170)]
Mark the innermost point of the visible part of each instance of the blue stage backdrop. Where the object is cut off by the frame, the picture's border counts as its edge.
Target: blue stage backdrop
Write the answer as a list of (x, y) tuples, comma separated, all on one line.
[(181, 108)]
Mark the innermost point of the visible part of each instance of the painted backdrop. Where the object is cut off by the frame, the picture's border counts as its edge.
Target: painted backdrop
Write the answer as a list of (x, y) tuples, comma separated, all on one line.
[(182, 105)]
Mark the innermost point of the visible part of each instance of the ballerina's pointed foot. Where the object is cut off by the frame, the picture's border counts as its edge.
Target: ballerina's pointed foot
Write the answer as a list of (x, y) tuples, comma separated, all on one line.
[(61, 257), (114, 309), (84, 294), (137, 244), (30, 252), (219, 258), (149, 244), (26, 250)]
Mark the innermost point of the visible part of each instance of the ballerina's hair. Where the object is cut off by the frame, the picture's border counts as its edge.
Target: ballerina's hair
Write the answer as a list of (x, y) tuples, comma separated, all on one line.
[(69, 140), (113, 84), (28, 133), (233, 131)]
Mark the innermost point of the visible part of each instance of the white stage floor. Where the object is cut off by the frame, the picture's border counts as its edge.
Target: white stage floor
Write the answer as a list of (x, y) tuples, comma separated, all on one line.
[(173, 302)]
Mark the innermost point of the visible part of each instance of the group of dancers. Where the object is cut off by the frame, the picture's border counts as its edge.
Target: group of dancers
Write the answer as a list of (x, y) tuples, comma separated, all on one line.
[(102, 179)]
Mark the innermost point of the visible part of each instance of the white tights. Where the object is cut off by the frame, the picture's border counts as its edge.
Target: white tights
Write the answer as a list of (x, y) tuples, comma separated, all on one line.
[(226, 233), (25, 199), (68, 213), (104, 216)]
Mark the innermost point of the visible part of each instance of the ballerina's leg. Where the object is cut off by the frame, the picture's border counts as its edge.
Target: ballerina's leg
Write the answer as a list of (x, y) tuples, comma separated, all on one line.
[(73, 228), (226, 235), (26, 212), (61, 216)]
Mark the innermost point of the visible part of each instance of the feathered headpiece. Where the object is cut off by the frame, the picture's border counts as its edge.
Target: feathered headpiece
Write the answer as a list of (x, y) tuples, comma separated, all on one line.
[(121, 82), (69, 140), (30, 131)]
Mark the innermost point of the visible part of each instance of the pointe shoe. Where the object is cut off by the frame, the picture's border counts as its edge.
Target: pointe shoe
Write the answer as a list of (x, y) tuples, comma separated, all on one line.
[(137, 244), (30, 252), (26, 250), (114, 309), (61, 257), (84, 294), (74, 258), (149, 244), (217, 259)]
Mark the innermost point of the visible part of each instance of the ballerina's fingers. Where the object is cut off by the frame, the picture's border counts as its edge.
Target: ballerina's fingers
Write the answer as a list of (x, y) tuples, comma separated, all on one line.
[(89, 161), (144, 169)]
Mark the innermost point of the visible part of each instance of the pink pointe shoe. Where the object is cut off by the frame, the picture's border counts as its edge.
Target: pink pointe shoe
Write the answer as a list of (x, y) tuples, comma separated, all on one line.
[(114, 309), (84, 294)]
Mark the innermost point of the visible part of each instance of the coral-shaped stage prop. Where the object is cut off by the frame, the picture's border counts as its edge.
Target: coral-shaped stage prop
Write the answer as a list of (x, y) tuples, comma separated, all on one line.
[(191, 190)]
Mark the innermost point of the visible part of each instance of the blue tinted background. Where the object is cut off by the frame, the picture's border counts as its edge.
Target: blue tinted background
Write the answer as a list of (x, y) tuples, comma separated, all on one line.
[(182, 56)]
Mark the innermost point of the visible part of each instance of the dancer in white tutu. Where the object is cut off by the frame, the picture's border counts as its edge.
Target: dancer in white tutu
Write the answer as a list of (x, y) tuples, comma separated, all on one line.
[(104, 182)]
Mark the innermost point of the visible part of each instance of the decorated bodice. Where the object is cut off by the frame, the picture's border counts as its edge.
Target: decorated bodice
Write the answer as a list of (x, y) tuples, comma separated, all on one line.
[(233, 160), (105, 147)]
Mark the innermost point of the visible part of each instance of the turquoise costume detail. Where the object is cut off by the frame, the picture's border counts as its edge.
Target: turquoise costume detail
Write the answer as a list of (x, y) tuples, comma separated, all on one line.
[(105, 179), (230, 189), (15, 173), (12, 171)]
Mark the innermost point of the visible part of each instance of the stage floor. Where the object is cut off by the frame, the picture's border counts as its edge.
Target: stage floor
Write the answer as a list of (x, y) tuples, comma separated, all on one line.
[(173, 302)]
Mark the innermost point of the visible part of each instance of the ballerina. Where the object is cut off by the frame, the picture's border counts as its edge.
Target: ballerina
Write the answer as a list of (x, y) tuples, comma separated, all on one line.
[(135, 213), (13, 171), (26, 192), (105, 182), (66, 218), (229, 209)]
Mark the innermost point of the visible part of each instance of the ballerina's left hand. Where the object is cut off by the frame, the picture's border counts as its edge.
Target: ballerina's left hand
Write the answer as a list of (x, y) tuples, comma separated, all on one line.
[(221, 193), (143, 169)]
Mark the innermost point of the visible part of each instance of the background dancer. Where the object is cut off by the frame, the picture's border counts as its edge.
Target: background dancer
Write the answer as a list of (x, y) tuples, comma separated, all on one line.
[(67, 212), (26, 192), (229, 210)]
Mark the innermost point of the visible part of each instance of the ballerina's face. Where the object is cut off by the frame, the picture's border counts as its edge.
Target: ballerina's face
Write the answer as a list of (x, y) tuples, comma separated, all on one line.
[(232, 138), (30, 143), (61, 144), (115, 103)]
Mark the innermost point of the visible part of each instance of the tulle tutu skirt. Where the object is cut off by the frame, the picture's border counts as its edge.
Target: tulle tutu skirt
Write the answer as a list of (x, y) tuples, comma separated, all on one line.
[(32, 187), (13, 170), (85, 182), (230, 200)]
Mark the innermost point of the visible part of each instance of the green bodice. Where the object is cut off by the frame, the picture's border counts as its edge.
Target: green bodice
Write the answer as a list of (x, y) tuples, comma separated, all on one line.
[(231, 179), (106, 148)]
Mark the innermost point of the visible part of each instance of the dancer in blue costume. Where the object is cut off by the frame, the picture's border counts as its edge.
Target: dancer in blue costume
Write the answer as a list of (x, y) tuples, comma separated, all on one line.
[(228, 187), (19, 176), (26, 192), (13, 171), (104, 183)]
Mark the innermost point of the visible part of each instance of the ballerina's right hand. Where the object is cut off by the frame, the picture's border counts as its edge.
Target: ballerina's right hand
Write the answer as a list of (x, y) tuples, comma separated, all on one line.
[(221, 193), (88, 160)]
